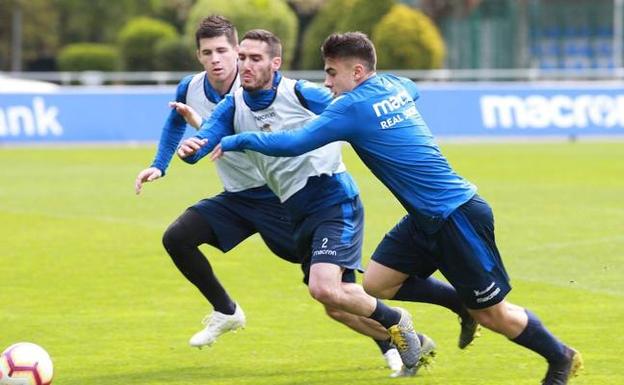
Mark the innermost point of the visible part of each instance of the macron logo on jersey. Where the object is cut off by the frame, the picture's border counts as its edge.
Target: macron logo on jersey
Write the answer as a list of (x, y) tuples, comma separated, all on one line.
[(392, 103)]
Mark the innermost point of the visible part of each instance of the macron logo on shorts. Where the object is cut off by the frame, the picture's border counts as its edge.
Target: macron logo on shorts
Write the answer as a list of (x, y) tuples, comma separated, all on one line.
[(487, 294), (325, 252)]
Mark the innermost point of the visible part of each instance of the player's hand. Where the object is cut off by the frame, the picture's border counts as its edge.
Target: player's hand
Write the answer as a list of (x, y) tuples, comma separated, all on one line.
[(190, 146), (147, 175), (216, 153), (188, 113)]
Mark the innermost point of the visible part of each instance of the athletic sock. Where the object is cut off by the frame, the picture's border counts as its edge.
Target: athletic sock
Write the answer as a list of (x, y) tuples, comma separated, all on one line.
[(385, 315), (433, 291), (537, 338), (384, 345)]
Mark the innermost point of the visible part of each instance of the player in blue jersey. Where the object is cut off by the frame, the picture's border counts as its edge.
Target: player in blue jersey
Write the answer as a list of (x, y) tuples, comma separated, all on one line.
[(247, 205), (318, 193), (448, 227)]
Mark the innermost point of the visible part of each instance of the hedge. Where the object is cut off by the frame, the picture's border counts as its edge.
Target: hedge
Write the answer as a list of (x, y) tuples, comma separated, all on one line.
[(407, 39), (88, 57)]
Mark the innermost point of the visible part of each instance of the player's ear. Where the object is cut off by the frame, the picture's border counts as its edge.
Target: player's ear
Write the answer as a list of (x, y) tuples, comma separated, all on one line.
[(276, 63), (358, 71), (198, 54)]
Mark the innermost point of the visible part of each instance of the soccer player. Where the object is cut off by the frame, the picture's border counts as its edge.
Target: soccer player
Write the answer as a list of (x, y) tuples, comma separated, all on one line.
[(448, 226), (319, 195), (247, 205)]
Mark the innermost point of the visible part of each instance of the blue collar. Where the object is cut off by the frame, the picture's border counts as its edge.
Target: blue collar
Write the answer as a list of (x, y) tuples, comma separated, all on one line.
[(212, 94), (261, 99)]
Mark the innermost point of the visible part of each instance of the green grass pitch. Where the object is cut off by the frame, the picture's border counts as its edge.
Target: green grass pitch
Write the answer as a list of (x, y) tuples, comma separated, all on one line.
[(83, 272)]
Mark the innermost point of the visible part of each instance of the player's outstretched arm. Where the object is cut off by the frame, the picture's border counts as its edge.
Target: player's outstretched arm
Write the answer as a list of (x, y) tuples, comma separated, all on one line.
[(147, 175), (171, 135), (188, 113), (220, 124), (317, 133), (190, 147)]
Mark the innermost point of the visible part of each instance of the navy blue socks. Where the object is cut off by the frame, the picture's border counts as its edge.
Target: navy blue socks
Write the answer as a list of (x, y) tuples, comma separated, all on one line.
[(537, 338), (430, 290), (385, 315)]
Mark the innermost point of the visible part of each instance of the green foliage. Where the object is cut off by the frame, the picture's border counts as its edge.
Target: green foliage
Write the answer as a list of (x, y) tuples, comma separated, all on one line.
[(175, 55), (365, 14), (174, 12), (96, 20), (328, 20), (88, 56), (407, 39), (272, 15), (39, 18), (340, 16), (138, 40)]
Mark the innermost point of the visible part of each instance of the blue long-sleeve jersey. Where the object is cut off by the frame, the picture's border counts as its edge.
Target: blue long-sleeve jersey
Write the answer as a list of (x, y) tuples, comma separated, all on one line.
[(173, 130), (221, 122), (380, 120)]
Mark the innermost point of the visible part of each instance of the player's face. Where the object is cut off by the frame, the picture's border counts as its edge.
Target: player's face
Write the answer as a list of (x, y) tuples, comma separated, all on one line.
[(218, 57), (340, 75), (256, 66)]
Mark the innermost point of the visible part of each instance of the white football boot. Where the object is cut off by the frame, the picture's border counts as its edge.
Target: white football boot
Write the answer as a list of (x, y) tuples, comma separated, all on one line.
[(216, 324), (393, 361)]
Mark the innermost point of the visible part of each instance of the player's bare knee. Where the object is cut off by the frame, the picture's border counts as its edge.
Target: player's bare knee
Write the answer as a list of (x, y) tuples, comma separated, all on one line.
[(324, 295)]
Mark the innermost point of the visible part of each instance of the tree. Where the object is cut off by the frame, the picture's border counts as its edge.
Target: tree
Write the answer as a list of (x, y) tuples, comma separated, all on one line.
[(420, 45), (272, 15), (88, 57), (96, 20), (175, 55), (39, 17), (329, 19), (138, 40), (340, 16)]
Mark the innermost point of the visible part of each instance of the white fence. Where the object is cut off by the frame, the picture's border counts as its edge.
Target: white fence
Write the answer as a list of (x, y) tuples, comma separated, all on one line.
[(92, 78)]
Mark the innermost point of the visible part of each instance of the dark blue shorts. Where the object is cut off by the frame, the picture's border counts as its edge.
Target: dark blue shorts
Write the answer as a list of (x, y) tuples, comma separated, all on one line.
[(235, 216), (464, 250), (333, 235)]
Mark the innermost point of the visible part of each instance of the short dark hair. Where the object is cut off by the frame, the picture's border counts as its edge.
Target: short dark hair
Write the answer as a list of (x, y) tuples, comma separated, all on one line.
[(215, 26), (350, 45), (274, 43)]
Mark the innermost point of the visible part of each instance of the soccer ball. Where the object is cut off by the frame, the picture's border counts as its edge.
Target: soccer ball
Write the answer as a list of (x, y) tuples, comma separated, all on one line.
[(25, 363)]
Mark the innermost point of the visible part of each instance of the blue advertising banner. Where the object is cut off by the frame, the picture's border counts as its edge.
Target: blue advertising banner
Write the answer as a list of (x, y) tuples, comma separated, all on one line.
[(117, 115), (473, 110), (522, 110)]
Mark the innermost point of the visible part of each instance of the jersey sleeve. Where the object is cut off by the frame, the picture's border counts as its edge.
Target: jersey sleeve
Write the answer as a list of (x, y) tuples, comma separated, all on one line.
[(173, 130), (331, 126), (220, 124), (411, 87), (313, 97)]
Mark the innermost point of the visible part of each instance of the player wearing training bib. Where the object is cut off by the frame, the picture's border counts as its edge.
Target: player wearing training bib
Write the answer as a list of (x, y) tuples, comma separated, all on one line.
[(245, 207), (319, 195)]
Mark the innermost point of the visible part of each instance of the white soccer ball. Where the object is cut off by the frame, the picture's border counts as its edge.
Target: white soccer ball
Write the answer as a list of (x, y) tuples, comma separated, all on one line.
[(25, 363)]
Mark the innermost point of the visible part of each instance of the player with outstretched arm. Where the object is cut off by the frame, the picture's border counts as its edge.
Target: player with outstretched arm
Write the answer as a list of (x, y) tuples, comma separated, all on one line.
[(449, 227)]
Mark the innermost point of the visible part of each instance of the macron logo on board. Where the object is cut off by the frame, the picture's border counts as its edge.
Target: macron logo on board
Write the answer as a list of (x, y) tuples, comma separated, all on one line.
[(35, 120), (560, 111)]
